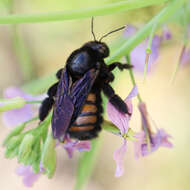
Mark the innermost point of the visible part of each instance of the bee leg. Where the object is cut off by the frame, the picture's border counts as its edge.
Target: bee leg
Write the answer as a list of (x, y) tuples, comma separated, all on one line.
[(48, 102), (115, 100), (121, 66), (59, 73)]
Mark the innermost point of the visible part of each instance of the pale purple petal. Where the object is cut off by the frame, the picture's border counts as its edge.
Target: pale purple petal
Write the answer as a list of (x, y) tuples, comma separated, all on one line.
[(16, 116), (119, 119), (162, 138), (138, 55), (72, 145), (133, 93), (119, 158), (185, 57), (137, 144), (129, 31), (144, 117), (12, 92), (29, 177)]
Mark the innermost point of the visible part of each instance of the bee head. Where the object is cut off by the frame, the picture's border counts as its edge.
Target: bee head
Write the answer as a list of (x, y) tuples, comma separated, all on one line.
[(99, 49)]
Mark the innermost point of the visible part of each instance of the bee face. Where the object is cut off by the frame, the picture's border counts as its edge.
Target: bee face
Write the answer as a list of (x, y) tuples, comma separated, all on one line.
[(99, 48)]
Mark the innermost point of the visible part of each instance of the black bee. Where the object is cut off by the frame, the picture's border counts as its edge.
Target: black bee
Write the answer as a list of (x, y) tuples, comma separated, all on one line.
[(76, 98)]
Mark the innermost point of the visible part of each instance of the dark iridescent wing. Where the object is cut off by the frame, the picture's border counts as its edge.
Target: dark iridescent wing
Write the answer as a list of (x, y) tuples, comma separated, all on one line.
[(70, 100), (81, 89), (63, 109)]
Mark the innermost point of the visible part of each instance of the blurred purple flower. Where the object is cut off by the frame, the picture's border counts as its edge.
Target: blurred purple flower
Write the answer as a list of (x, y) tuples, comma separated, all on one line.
[(185, 56), (138, 54), (122, 122), (160, 138), (29, 177), (166, 33), (72, 145), (16, 116)]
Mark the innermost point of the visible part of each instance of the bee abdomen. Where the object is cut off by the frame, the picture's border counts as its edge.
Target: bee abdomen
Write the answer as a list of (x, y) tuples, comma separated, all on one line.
[(87, 123)]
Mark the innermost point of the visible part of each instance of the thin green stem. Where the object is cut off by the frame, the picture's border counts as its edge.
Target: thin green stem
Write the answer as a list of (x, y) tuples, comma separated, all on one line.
[(132, 77), (131, 43), (149, 48), (107, 9), (33, 102)]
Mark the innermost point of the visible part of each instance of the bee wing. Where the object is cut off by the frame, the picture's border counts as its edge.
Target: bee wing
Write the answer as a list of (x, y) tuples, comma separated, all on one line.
[(63, 109), (70, 100), (81, 90)]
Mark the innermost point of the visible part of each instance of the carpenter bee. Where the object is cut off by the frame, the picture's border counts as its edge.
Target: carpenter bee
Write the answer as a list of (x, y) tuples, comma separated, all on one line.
[(76, 97)]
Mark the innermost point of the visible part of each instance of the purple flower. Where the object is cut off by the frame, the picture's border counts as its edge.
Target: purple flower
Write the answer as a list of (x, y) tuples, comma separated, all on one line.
[(166, 33), (160, 138), (122, 122), (138, 54), (185, 56), (16, 116), (29, 177), (72, 145)]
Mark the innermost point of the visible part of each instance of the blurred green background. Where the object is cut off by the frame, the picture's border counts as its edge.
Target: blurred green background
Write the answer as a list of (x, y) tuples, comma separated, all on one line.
[(49, 44)]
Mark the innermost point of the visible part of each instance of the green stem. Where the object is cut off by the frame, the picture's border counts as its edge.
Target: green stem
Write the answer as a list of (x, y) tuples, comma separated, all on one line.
[(131, 43), (33, 102), (132, 77), (107, 9)]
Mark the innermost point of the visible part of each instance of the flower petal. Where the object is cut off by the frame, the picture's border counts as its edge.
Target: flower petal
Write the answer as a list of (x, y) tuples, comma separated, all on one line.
[(138, 55), (119, 158), (119, 119), (29, 177), (129, 31), (160, 138), (185, 57), (16, 116), (166, 33), (70, 146)]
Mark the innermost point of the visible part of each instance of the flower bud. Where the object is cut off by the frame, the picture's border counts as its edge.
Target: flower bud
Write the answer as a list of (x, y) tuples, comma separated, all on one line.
[(14, 132), (26, 148), (48, 158)]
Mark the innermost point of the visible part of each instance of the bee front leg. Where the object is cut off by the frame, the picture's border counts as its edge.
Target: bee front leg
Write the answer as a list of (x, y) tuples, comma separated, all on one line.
[(121, 66), (59, 73), (115, 100), (48, 102)]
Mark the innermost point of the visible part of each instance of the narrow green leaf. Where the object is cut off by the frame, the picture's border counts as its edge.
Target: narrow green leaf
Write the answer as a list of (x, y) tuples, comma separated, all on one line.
[(86, 164), (14, 132), (111, 8)]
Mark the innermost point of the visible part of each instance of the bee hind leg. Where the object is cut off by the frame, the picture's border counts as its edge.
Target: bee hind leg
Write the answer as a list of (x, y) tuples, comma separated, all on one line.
[(115, 100), (121, 66), (48, 102)]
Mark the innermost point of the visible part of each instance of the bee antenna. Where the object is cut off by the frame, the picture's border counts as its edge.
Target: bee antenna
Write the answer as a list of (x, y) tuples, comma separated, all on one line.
[(92, 28), (121, 28)]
